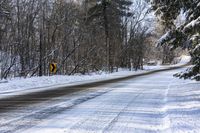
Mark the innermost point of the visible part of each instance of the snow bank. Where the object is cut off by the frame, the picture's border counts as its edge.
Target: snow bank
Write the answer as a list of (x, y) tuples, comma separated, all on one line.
[(184, 59), (21, 84)]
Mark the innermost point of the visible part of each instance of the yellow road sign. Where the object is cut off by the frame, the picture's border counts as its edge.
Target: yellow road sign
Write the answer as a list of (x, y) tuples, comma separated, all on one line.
[(53, 67)]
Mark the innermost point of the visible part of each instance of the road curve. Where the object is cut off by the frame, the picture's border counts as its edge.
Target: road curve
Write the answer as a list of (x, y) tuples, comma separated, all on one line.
[(11, 101), (149, 103)]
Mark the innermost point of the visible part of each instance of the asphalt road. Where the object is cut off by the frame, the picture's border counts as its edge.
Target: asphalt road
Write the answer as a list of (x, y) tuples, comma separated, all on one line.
[(149, 103)]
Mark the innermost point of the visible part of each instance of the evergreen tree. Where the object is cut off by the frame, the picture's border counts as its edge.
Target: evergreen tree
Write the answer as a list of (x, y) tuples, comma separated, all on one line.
[(110, 15), (187, 35)]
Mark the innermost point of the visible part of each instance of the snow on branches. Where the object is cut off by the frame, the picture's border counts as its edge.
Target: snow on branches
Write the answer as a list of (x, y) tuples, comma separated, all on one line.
[(186, 35), (193, 26)]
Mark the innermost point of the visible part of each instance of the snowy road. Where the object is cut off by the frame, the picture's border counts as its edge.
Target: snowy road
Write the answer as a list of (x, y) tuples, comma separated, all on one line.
[(152, 103)]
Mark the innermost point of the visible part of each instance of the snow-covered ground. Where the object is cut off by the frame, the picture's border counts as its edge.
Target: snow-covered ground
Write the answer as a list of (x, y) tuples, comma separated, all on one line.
[(21, 84), (159, 103), (148, 104), (184, 59)]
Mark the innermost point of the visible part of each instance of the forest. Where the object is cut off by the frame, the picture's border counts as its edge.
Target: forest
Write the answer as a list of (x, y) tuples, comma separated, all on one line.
[(81, 36)]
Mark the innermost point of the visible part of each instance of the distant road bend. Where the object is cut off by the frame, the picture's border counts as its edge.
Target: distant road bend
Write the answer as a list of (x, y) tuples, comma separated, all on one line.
[(156, 102)]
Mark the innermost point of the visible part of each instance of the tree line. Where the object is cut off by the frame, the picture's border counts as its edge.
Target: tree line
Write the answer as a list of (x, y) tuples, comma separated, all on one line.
[(81, 37)]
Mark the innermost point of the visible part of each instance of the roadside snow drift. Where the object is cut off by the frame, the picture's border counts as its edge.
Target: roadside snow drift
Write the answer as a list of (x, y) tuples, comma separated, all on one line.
[(17, 85)]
